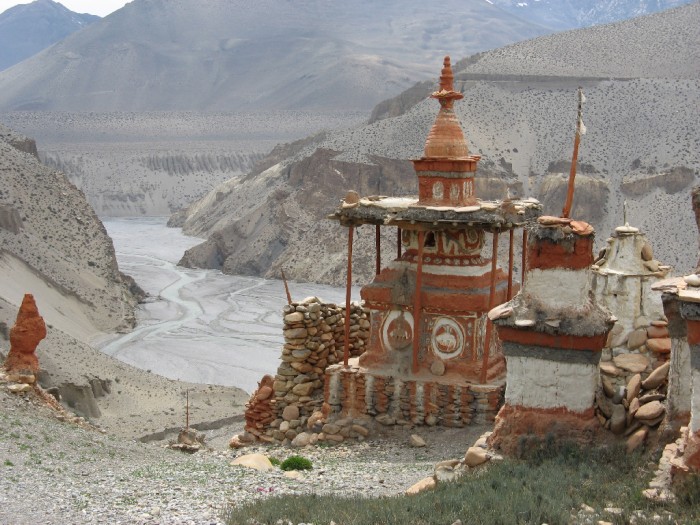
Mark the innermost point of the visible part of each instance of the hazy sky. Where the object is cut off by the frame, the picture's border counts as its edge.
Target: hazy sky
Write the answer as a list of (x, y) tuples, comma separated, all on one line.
[(95, 7)]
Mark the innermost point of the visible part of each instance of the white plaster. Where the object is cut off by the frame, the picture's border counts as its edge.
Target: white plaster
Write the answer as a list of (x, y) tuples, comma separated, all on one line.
[(395, 403), (628, 297), (540, 383), (624, 257), (558, 287), (334, 389), (459, 271), (695, 404), (390, 202), (369, 391), (419, 400), (679, 378)]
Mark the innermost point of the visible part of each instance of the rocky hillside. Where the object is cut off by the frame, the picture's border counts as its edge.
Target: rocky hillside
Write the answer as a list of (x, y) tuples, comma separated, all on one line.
[(235, 55), (519, 112), (52, 240), (53, 245), (26, 29)]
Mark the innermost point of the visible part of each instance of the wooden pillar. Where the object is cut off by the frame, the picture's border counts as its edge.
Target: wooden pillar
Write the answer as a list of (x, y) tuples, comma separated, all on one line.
[(524, 258), (510, 264), (492, 297), (378, 248), (417, 303), (348, 289), (398, 243)]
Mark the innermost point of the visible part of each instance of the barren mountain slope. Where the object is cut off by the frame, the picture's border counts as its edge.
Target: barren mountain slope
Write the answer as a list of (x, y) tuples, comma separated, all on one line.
[(642, 146), (233, 55), (52, 239), (53, 245)]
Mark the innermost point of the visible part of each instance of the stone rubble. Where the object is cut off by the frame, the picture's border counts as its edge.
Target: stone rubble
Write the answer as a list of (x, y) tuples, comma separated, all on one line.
[(104, 480)]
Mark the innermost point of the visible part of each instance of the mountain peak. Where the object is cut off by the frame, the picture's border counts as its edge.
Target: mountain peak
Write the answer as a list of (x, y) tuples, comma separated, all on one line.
[(26, 29)]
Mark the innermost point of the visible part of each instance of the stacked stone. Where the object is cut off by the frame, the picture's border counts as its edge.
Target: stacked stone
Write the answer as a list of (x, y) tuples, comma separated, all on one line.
[(260, 410), (644, 350), (359, 329), (392, 400), (280, 409), (635, 409)]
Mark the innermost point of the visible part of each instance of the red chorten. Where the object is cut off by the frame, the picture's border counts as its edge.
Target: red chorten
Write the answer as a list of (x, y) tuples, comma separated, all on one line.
[(429, 333), (25, 336)]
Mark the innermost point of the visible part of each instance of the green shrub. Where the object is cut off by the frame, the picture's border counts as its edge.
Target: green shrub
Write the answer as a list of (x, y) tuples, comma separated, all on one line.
[(296, 463), (275, 462)]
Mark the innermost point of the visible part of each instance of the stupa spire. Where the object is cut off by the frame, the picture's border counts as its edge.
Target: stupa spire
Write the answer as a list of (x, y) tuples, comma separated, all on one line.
[(446, 170), (446, 139)]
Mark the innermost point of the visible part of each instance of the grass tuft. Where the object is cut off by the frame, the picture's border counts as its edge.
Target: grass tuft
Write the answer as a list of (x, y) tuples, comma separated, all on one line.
[(296, 463)]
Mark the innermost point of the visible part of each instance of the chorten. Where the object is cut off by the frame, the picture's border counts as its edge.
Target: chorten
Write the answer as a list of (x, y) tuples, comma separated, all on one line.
[(432, 353)]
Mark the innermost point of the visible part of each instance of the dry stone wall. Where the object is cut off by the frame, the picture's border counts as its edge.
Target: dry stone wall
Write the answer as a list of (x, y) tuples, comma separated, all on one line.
[(314, 334)]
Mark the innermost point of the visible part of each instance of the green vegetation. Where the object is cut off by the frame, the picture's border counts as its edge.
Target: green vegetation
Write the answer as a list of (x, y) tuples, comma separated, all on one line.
[(275, 462), (546, 487), (296, 463)]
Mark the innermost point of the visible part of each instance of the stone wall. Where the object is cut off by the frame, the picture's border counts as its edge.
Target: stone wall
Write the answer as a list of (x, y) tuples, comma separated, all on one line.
[(314, 333)]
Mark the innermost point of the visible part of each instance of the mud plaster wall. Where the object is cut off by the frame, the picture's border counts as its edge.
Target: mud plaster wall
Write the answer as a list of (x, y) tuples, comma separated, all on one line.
[(550, 378), (562, 288), (629, 298), (679, 378)]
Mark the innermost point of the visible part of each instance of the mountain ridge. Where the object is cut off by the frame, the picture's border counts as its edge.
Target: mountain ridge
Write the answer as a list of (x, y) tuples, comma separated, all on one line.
[(522, 128)]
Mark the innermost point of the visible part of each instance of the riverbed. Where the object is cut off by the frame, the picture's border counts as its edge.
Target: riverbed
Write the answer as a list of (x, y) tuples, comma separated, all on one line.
[(199, 325)]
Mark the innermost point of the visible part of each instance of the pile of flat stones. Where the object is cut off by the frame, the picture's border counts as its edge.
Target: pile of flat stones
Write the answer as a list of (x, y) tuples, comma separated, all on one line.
[(647, 343), (359, 329), (281, 408), (635, 408)]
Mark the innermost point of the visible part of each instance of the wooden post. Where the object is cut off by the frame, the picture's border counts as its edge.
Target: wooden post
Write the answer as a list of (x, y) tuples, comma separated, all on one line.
[(378, 247), (524, 259), (417, 303), (492, 297), (510, 264), (286, 288), (580, 130), (348, 289), (187, 409), (398, 244)]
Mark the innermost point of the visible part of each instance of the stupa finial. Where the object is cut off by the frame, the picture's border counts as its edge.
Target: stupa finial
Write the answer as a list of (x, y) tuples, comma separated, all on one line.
[(446, 76), (447, 94)]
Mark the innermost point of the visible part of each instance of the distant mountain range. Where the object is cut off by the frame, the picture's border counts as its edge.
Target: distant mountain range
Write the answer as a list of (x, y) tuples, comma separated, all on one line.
[(642, 81), (243, 54), (572, 14), (26, 29)]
